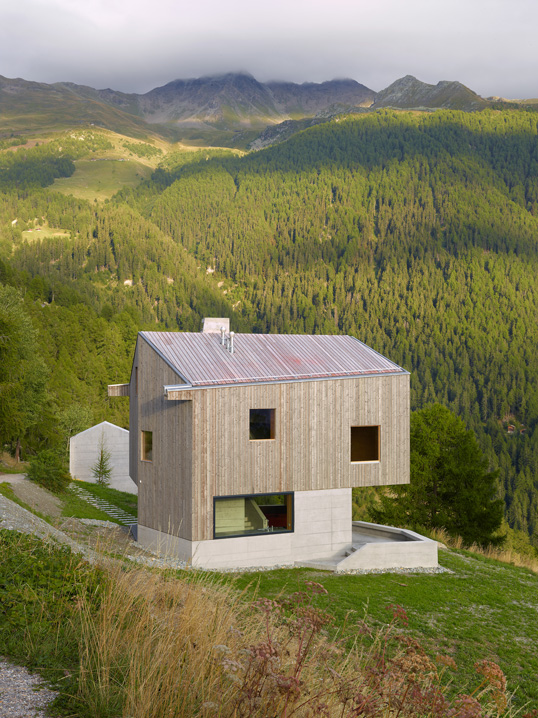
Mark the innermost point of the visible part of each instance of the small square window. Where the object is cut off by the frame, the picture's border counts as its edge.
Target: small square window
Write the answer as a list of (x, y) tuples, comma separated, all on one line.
[(364, 443), (262, 424), (146, 453)]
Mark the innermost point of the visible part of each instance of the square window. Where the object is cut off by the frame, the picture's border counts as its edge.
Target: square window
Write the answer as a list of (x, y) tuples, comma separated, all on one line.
[(262, 424), (146, 453), (365, 443)]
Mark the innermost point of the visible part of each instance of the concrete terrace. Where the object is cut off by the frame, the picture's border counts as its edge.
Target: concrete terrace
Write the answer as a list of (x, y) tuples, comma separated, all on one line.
[(378, 547)]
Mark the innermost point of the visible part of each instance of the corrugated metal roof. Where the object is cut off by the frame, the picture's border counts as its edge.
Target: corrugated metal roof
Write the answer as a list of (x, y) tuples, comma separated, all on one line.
[(202, 361)]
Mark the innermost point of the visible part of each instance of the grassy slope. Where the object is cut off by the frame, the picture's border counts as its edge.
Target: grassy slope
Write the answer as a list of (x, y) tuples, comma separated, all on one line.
[(101, 176), (75, 507), (483, 609), (100, 179), (121, 499), (31, 107)]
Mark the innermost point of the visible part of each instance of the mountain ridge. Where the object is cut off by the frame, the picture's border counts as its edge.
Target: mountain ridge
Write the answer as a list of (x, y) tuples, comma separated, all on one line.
[(231, 102), (410, 93)]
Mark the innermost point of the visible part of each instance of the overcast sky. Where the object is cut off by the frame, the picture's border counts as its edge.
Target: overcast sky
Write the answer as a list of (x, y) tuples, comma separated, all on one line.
[(135, 45)]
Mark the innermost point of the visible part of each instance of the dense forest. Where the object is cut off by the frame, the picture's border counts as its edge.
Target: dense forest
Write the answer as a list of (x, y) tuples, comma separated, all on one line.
[(415, 232)]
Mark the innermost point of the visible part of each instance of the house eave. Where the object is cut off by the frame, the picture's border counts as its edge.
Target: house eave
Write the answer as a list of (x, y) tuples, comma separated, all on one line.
[(179, 391)]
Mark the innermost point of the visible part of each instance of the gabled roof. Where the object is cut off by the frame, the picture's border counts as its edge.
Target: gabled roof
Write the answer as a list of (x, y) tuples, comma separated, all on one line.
[(201, 360)]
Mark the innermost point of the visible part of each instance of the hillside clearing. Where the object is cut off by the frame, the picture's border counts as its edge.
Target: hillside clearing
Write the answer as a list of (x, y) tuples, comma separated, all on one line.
[(100, 179)]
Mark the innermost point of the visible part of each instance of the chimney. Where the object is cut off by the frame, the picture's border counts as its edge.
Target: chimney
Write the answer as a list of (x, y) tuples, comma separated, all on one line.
[(231, 344)]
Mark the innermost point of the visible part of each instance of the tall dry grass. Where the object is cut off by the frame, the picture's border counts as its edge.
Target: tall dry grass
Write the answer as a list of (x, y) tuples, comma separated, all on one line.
[(499, 554), (160, 647)]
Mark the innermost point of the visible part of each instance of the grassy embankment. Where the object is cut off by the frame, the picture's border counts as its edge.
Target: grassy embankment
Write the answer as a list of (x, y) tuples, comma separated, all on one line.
[(75, 507), (107, 630), (131, 642)]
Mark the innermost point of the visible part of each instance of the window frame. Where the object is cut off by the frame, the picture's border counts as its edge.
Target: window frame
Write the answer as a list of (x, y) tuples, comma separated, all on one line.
[(291, 494), (143, 456), (272, 426), (365, 461)]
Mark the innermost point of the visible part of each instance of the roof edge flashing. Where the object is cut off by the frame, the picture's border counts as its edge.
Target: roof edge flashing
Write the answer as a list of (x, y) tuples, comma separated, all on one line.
[(262, 382)]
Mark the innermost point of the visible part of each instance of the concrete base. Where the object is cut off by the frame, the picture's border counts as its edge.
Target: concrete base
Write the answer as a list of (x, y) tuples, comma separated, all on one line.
[(384, 547), (322, 529), (377, 547)]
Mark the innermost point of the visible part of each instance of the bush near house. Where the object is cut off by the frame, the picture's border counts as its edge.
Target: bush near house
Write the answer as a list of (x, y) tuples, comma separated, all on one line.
[(48, 470)]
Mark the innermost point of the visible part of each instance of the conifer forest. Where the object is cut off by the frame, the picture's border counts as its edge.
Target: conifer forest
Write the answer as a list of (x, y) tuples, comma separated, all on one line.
[(416, 232)]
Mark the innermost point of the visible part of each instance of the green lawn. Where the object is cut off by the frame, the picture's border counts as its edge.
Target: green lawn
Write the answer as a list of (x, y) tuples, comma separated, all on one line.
[(80, 509), (482, 609), (121, 499), (75, 507)]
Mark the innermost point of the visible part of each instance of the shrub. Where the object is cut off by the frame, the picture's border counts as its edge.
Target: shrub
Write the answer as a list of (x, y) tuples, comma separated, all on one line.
[(49, 471)]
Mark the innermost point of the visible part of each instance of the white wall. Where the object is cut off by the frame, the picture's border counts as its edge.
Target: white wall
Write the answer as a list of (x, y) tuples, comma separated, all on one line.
[(322, 529), (84, 452)]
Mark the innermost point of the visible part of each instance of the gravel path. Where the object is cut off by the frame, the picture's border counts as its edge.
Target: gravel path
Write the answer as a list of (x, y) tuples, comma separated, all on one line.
[(18, 695), (37, 498)]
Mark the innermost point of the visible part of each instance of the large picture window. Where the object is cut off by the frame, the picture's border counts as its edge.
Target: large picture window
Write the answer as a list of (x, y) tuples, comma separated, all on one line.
[(364, 443), (252, 515), (262, 424)]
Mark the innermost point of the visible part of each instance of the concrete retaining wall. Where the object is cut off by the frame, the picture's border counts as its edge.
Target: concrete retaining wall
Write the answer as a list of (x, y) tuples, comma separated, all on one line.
[(396, 548)]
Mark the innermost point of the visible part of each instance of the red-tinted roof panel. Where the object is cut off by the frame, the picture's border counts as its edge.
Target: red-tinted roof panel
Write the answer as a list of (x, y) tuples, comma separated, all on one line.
[(202, 361)]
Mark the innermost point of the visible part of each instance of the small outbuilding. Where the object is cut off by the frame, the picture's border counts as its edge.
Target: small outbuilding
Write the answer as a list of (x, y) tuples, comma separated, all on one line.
[(84, 450), (245, 447)]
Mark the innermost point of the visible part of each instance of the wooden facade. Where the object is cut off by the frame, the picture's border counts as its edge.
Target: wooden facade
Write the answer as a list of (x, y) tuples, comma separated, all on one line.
[(201, 445)]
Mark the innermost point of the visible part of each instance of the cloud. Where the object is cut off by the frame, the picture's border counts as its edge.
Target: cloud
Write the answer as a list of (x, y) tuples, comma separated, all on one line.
[(135, 45)]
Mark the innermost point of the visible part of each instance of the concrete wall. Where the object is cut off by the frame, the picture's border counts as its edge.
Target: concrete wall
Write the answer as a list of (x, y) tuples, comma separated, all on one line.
[(84, 452), (399, 548), (322, 529)]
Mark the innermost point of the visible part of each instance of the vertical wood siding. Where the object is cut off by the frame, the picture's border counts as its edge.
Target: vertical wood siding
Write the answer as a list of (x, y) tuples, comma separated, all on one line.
[(201, 446), (164, 484), (312, 447)]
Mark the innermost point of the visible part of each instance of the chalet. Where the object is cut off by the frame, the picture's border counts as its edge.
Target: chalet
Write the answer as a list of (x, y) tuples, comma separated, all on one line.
[(245, 447)]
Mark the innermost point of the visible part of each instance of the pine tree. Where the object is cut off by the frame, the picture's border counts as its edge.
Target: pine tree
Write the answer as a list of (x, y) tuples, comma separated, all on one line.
[(450, 487), (102, 470)]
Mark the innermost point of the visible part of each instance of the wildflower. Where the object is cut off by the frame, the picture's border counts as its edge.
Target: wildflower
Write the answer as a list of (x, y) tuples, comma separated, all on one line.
[(266, 605), (220, 648), (492, 673), (398, 613), (315, 618), (447, 661), (465, 707), (288, 685), (314, 587), (264, 651)]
